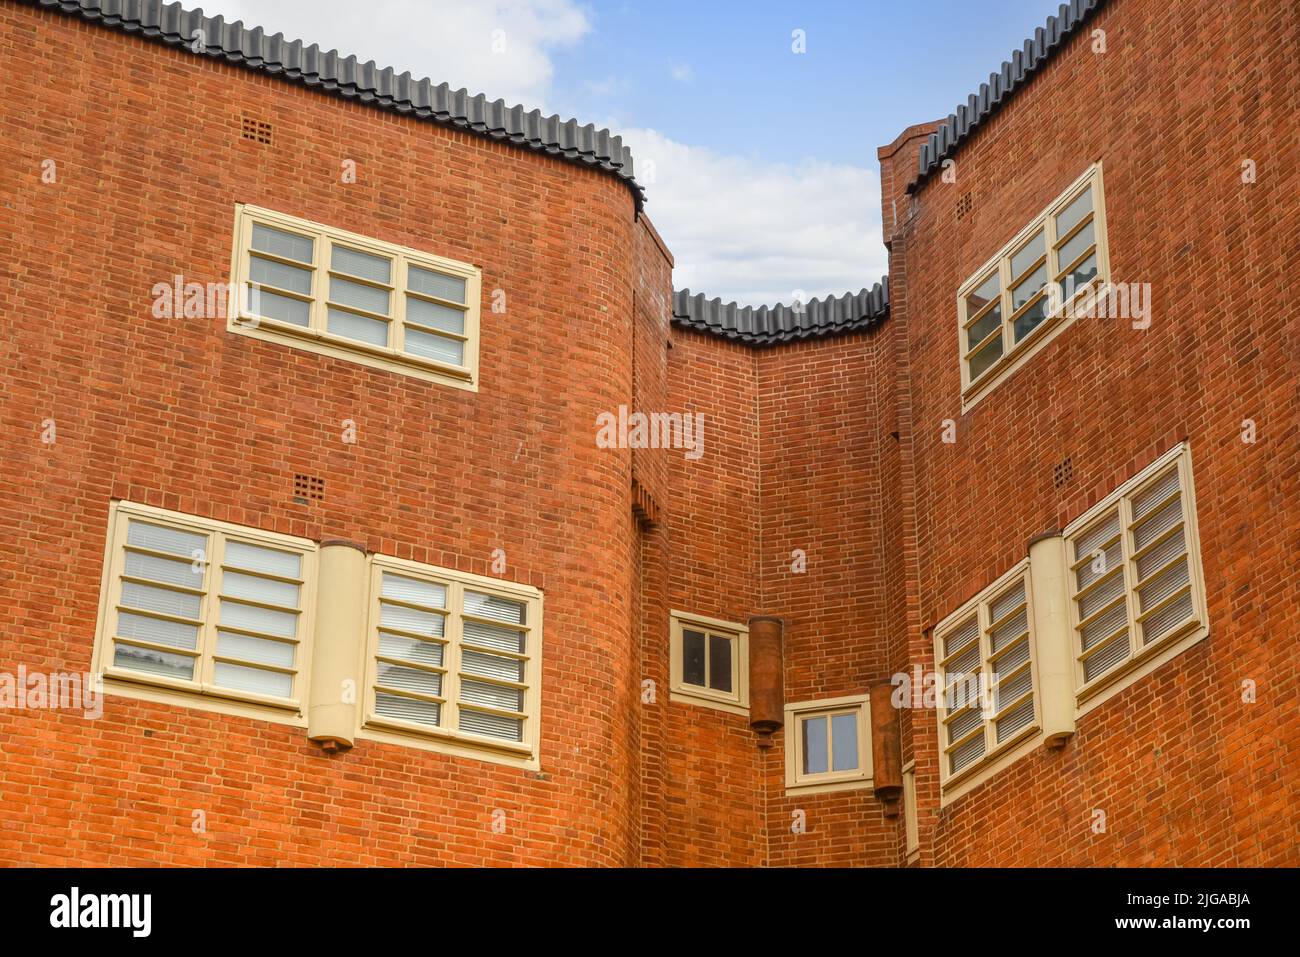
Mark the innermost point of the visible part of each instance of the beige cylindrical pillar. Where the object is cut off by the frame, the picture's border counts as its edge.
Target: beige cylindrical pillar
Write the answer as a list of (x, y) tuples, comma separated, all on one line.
[(336, 650), (1051, 597)]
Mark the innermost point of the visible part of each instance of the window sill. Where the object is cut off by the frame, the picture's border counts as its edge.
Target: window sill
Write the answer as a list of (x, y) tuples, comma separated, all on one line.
[(405, 734), (1150, 660), (218, 700), (828, 787), (691, 697)]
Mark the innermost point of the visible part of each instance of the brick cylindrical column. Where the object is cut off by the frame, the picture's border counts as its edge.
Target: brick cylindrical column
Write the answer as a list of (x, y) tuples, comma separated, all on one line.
[(886, 746), (766, 677)]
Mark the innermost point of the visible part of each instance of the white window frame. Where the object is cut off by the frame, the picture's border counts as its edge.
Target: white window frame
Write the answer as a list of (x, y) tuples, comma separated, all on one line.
[(447, 737), (1016, 354), (799, 782), (734, 702), (316, 337), (201, 692), (1142, 660)]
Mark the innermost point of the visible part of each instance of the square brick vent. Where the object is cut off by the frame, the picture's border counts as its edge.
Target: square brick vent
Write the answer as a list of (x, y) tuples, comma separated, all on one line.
[(308, 488)]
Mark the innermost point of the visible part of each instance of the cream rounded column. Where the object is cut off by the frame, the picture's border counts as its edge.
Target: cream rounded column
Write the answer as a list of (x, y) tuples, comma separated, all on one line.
[(337, 649), (1047, 571)]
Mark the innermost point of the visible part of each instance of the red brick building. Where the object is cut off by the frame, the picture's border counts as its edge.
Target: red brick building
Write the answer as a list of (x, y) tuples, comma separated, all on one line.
[(369, 584)]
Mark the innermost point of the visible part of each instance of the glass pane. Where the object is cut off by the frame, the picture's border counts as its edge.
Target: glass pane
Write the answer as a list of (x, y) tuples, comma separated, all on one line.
[(277, 684), (982, 360), (152, 598), (373, 331), (409, 619), (493, 696), (967, 754), (435, 284), (1086, 271), (174, 633), (719, 663), (1028, 254), (429, 594), (438, 348), (154, 662), (281, 624), (348, 293), (170, 540), (492, 725), (271, 561), (482, 605), (491, 666), (258, 650), (280, 243), (693, 658), (435, 316), (844, 737), (814, 745), (356, 263), (238, 585), (1030, 319), (1022, 293), (981, 330), (278, 274), (1073, 249), (987, 291), (1111, 655), (408, 649), (1068, 217), (164, 570), (408, 709), (409, 679), (270, 305), (493, 636)]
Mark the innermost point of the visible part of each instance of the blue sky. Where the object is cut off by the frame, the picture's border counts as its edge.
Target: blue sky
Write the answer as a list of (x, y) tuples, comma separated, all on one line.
[(759, 162)]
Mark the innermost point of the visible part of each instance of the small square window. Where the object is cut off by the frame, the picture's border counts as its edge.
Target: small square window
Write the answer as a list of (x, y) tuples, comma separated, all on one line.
[(710, 662), (828, 744)]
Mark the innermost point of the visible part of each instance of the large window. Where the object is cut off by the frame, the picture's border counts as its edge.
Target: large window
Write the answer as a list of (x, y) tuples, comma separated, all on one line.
[(1135, 578), (1005, 310), (356, 298), (205, 607), (709, 662), (828, 745), (453, 657), (986, 662)]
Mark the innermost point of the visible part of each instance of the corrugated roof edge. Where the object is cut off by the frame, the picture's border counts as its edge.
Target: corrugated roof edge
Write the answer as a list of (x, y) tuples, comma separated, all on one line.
[(1014, 74), (774, 325), (171, 24)]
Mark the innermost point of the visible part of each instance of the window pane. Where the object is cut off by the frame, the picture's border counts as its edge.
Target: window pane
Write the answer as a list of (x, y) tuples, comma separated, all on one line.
[(719, 663), (430, 594), (280, 243), (693, 658), (1030, 319), (154, 662), (981, 330), (493, 636), (982, 360), (435, 316), (409, 679), (1086, 271), (438, 348), (170, 540), (259, 650), (1073, 249), (493, 696), (1022, 293), (239, 585), (408, 709), (408, 649), (164, 570), (482, 605), (1029, 254), (348, 293), (277, 684), (270, 305), (164, 600), (409, 619), (814, 745), (278, 274), (356, 263), (986, 292), (435, 284), (1068, 217), (491, 725), (144, 628), (373, 331), (491, 666), (844, 736), (281, 624), (270, 561)]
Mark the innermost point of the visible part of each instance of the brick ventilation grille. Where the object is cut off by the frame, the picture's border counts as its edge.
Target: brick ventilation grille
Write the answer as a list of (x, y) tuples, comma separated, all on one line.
[(256, 130), (1063, 472), (309, 487), (964, 206)]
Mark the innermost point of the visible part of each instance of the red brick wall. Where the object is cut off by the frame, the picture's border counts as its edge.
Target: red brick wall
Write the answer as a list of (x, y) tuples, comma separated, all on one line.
[(1186, 772), (180, 413)]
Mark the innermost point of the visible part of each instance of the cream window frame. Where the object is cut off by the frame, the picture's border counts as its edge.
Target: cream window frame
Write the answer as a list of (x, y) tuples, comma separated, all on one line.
[(316, 337), (911, 817), (734, 702), (447, 738), (997, 755), (799, 782), (201, 692), (1142, 659), (1015, 354)]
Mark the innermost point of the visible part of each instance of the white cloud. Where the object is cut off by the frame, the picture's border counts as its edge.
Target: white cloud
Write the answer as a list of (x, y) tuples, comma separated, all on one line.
[(452, 41), (681, 72), (758, 232)]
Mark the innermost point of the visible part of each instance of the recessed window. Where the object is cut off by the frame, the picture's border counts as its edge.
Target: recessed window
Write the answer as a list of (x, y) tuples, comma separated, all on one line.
[(205, 607), (1135, 577), (828, 744), (710, 662), (353, 297), (986, 666), (454, 657), (1005, 309)]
